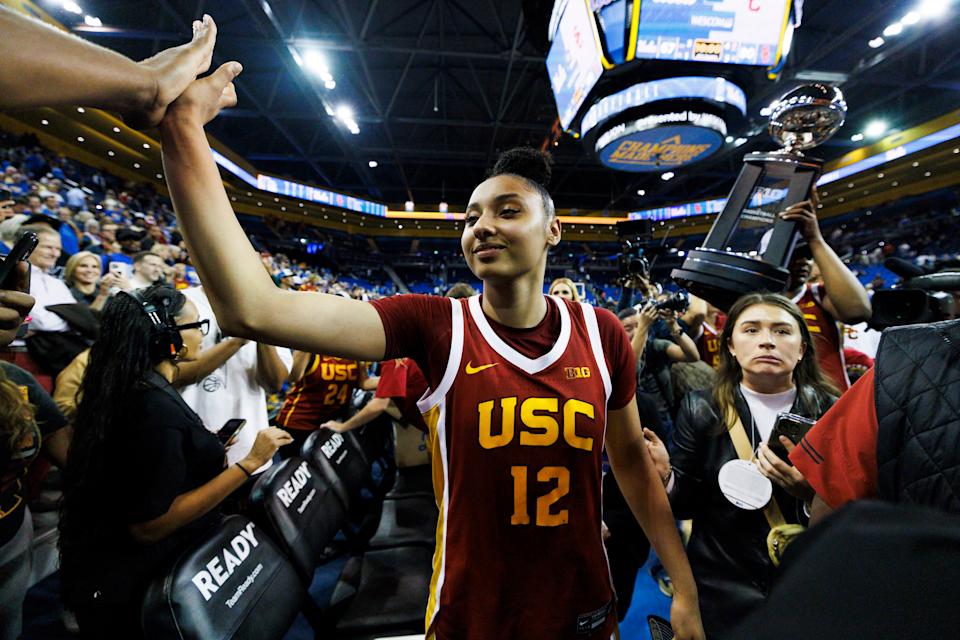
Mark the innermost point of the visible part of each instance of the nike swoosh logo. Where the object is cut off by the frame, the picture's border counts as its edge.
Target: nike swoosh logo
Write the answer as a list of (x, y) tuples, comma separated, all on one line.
[(470, 369)]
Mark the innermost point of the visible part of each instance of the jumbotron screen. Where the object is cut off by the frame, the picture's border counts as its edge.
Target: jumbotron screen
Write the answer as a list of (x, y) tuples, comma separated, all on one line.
[(745, 32)]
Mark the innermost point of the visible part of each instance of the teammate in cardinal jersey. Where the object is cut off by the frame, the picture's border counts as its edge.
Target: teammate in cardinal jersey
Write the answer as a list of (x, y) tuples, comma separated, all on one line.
[(323, 387), (840, 297), (527, 391)]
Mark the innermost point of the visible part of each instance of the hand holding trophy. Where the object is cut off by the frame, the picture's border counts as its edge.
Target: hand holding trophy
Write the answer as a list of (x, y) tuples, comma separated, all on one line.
[(750, 245)]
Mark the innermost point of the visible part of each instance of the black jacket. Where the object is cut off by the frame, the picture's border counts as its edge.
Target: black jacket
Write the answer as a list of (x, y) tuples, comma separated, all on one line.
[(917, 382), (728, 549)]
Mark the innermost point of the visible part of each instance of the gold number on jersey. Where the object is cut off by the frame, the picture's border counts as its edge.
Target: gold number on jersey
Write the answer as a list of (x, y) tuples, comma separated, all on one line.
[(545, 517), (336, 394)]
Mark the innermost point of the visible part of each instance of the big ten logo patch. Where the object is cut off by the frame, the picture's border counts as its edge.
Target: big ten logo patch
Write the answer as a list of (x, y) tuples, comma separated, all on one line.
[(575, 373)]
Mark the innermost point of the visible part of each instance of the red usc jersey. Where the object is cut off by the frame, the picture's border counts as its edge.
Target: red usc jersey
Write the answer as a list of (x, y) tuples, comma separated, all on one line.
[(402, 381), (324, 391), (826, 335), (709, 344), (516, 447)]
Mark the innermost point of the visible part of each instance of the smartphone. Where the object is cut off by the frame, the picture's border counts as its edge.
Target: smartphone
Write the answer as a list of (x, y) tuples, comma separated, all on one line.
[(660, 629), (12, 278), (791, 425), (228, 432), (118, 269)]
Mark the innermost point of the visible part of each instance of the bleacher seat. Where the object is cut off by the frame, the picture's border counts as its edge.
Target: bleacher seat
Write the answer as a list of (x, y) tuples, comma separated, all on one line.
[(236, 584), (282, 500)]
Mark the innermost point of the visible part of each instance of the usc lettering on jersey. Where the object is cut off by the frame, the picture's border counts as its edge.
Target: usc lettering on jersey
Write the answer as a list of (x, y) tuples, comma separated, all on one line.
[(709, 345), (826, 336), (517, 446), (322, 394)]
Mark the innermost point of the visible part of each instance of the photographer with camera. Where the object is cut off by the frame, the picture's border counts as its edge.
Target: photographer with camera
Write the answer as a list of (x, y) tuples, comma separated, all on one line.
[(768, 366), (658, 342)]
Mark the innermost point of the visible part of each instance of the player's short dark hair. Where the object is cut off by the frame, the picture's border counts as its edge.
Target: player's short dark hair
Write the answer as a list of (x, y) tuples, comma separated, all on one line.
[(533, 166)]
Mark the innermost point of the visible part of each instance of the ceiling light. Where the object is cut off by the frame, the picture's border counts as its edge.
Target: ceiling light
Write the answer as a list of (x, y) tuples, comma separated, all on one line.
[(315, 62), (876, 43), (875, 129), (766, 111), (916, 164), (330, 84), (116, 129), (933, 8), (44, 122), (111, 153), (880, 175), (740, 141), (146, 145), (926, 174), (81, 110), (894, 29), (79, 138), (895, 183), (857, 137), (641, 192), (92, 21), (344, 112), (667, 176), (911, 18), (159, 176), (372, 164), (72, 7), (136, 165), (728, 139), (408, 205)]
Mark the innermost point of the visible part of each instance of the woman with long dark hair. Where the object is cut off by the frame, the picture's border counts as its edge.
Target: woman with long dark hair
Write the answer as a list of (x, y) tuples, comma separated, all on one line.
[(144, 477), (526, 392), (767, 366)]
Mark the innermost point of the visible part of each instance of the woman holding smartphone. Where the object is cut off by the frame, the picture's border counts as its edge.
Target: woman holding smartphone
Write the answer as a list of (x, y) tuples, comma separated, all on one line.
[(144, 477), (767, 367), (527, 390)]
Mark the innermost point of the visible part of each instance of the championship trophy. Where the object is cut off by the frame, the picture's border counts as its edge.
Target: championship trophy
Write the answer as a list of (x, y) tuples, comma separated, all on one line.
[(749, 246)]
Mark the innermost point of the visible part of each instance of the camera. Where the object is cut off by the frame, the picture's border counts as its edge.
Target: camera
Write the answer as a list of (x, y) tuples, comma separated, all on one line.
[(678, 302), (635, 238), (924, 297)]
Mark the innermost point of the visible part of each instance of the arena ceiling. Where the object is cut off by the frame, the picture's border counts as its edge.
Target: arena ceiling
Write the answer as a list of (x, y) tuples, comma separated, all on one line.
[(438, 87)]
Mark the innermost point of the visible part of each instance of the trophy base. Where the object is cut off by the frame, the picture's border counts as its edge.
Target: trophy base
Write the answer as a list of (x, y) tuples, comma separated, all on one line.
[(721, 278)]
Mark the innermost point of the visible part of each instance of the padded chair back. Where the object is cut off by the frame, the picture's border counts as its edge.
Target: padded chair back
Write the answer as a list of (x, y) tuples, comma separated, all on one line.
[(233, 584), (341, 462), (302, 511)]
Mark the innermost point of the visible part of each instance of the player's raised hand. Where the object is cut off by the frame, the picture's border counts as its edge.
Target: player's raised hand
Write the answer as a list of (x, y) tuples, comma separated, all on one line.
[(172, 70), (205, 97)]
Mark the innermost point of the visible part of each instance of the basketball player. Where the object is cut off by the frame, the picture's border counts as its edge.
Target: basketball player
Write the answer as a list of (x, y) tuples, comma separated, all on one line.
[(841, 297), (323, 388), (526, 391)]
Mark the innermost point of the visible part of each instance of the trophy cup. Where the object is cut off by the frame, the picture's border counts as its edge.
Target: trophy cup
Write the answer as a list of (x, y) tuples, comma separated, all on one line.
[(749, 246)]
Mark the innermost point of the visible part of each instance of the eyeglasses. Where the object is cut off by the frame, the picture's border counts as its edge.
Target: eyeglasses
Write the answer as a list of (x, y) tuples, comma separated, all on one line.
[(203, 325)]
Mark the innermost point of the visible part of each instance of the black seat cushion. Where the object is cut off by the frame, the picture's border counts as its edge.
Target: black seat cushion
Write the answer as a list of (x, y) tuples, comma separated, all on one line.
[(389, 590), (301, 510), (416, 481), (341, 461), (233, 584), (410, 521)]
